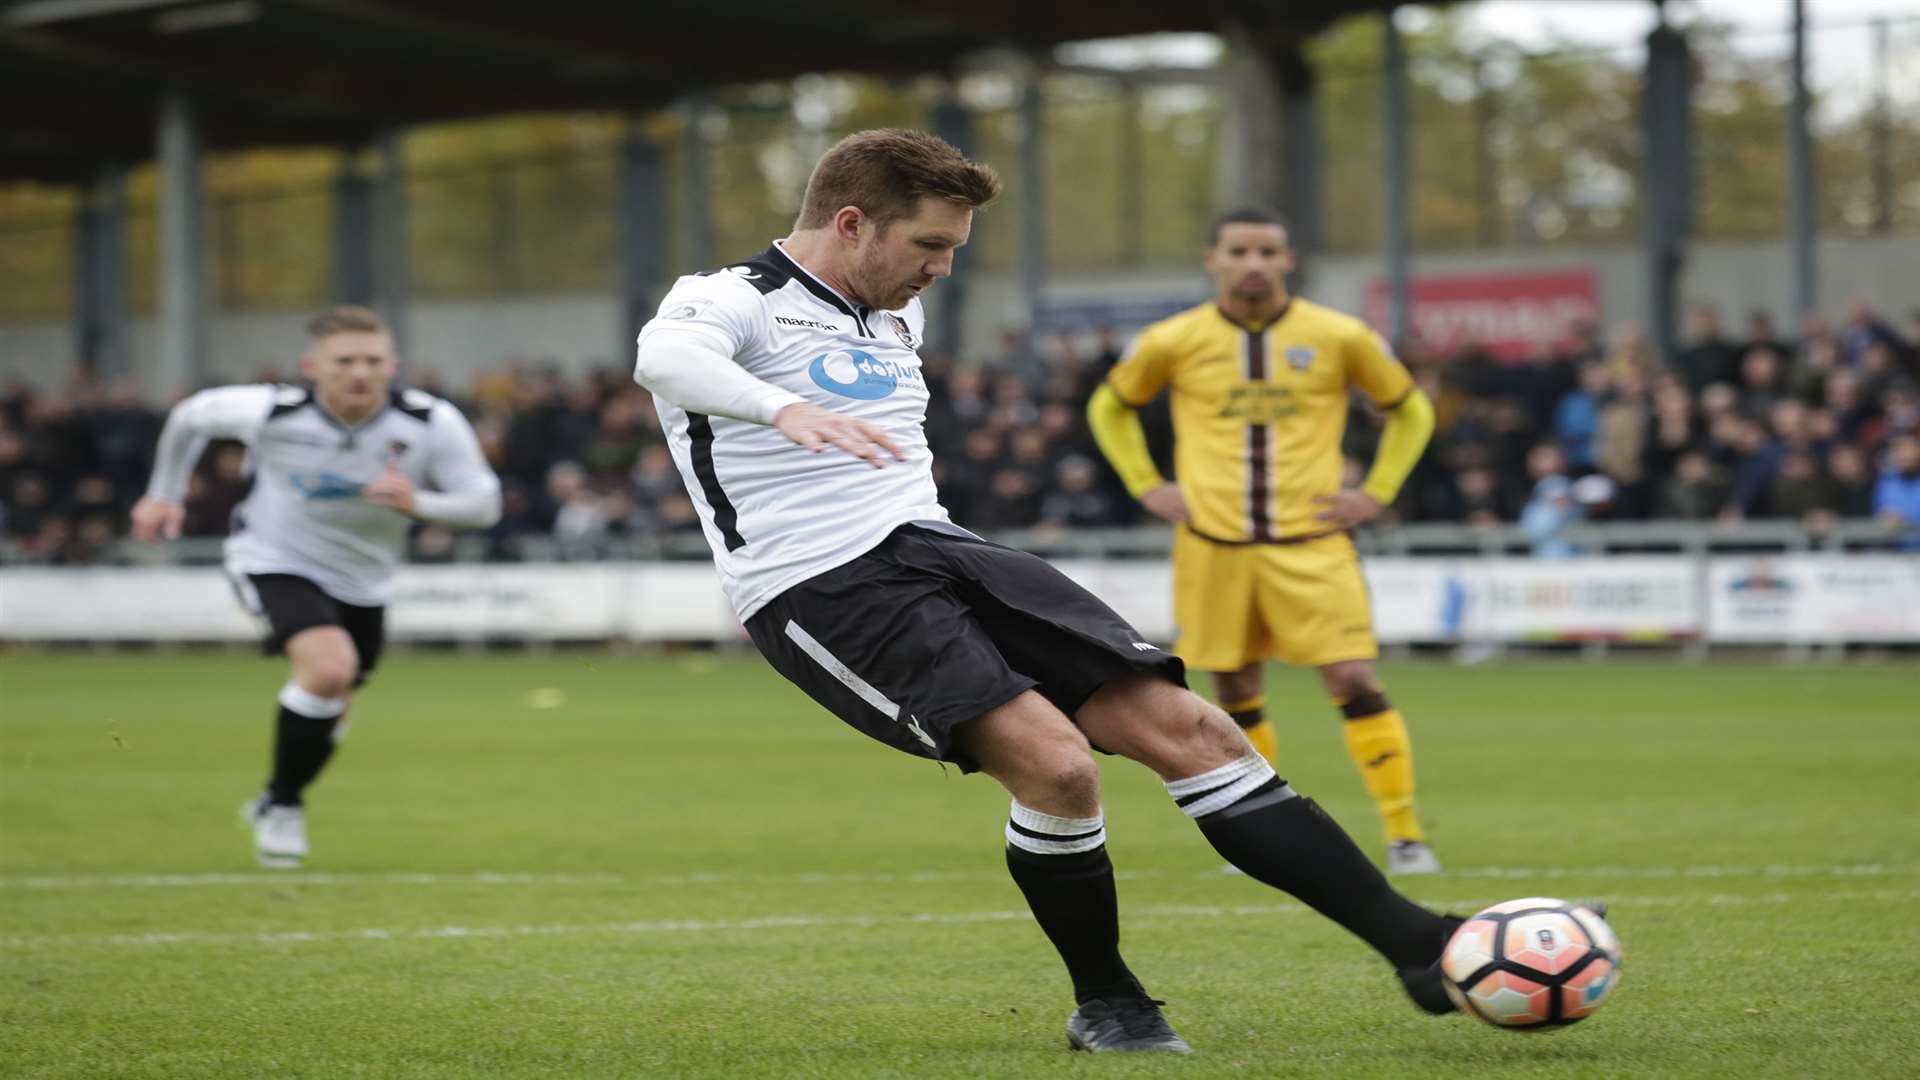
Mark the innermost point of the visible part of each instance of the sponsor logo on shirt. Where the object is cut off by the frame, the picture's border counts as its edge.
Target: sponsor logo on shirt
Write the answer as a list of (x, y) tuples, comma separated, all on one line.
[(325, 485), (900, 330), (853, 373), (683, 311), (784, 320)]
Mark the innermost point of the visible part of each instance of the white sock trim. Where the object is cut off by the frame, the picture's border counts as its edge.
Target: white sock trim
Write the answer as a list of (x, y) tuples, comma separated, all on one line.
[(298, 699), (1058, 835), (1221, 787)]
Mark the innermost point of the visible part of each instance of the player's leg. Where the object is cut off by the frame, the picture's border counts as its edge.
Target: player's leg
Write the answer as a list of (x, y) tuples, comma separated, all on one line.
[(1260, 824), (888, 644), (318, 636), (1057, 854), (1315, 597), (1381, 750), (1220, 630), (1242, 694), (325, 666)]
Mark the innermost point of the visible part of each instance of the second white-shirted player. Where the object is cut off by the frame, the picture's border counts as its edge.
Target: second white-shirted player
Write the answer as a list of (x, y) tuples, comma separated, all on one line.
[(340, 471), (794, 405)]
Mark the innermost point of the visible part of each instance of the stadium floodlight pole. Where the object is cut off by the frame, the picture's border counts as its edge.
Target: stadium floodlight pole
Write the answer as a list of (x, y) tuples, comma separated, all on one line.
[(1880, 135), (100, 278), (696, 185), (1393, 73), (1806, 297), (390, 266), (1667, 182), (642, 231), (1033, 197), (953, 121), (182, 261), (353, 230)]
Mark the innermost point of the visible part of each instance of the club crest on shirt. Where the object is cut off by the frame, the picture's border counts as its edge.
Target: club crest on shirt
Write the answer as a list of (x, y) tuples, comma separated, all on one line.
[(396, 447), (1300, 357), (900, 331)]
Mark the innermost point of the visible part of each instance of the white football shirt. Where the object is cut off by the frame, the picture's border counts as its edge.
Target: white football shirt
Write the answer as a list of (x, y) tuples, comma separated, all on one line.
[(776, 513), (304, 513)]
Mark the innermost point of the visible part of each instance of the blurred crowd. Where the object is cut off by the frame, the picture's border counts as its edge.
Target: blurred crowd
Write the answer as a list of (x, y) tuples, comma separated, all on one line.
[(1751, 424), (1736, 425)]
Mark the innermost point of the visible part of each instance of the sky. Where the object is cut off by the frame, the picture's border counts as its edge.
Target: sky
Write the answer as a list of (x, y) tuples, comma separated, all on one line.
[(1839, 41)]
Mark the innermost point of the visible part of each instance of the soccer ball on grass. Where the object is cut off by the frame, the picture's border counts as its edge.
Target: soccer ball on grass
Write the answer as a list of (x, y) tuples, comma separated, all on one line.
[(1535, 964)]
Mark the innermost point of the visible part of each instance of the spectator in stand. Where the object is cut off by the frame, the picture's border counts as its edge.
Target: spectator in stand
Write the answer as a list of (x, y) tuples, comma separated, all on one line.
[(1551, 510), (1803, 492), (1896, 498), (1763, 381), (579, 516), (1762, 334), (1863, 331), (1577, 416), (1709, 356), (1620, 442), (1853, 413), (1695, 490), (1852, 473), (1672, 430), (1078, 501)]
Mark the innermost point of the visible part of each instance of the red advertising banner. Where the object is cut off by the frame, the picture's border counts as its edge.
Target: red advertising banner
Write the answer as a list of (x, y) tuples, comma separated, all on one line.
[(1515, 314)]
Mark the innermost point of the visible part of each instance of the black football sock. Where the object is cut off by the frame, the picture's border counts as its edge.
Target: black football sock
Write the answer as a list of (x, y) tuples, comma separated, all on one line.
[(1261, 825), (306, 732), (1062, 868)]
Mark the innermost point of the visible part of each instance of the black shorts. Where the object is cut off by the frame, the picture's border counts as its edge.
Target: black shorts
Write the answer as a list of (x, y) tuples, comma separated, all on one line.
[(291, 603), (931, 629)]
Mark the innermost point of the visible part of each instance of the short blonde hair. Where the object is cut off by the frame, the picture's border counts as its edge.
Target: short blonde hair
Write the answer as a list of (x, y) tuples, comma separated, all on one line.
[(345, 319)]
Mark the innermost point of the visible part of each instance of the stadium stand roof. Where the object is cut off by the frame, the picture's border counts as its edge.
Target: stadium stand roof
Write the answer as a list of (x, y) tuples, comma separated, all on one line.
[(80, 79)]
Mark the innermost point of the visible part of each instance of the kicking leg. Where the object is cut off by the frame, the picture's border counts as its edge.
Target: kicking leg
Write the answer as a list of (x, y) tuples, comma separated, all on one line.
[(1261, 825)]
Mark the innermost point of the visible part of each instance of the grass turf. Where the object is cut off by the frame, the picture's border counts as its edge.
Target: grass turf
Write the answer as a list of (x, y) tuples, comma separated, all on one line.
[(591, 865)]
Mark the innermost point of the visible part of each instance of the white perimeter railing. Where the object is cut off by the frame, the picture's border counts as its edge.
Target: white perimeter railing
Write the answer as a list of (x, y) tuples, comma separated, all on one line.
[(1675, 584)]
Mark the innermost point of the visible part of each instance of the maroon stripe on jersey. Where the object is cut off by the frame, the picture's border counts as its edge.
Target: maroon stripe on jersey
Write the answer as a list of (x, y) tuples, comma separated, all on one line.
[(1259, 487)]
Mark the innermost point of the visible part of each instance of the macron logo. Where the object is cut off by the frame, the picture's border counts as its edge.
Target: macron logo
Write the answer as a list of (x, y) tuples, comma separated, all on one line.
[(785, 321), (1144, 647)]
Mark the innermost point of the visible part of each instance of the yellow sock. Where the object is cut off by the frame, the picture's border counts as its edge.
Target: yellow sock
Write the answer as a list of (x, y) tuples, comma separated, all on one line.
[(1377, 741), (1251, 716)]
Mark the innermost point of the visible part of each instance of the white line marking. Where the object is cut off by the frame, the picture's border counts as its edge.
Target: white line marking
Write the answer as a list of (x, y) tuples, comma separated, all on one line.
[(790, 922), (1505, 873)]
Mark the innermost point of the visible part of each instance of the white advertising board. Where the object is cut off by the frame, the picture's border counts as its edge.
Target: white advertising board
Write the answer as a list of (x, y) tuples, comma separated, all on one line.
[(1814, 598)]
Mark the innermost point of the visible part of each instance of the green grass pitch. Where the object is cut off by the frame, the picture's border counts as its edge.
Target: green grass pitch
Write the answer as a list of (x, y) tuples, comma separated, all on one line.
[(589, 865)]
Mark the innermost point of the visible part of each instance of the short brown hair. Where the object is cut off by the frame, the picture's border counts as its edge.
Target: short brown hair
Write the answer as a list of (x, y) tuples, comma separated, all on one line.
[(885, 171), (345, 319)]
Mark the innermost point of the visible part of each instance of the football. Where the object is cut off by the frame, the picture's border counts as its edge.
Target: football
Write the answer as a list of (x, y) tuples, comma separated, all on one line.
[(1532, 964)]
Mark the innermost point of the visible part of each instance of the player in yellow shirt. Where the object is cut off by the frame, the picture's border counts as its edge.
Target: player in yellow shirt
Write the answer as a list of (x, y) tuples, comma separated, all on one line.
[(1262, 562)]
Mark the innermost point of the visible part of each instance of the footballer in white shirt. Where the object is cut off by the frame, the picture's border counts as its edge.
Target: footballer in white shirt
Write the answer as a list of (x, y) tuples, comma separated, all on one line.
[(340, 470), (794, 405)]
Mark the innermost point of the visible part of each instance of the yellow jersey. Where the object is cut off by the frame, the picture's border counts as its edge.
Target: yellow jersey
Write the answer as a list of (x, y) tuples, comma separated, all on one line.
[(1258, 412)]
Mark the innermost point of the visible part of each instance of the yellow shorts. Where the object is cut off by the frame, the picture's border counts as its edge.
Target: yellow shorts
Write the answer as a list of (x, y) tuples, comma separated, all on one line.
[(1304, 603)]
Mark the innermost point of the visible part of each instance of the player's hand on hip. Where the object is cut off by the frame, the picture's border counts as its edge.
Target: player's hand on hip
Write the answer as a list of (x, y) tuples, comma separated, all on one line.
[(816, 429), (1347, 508), (156, 519), (1166, 502), (390, 489)]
